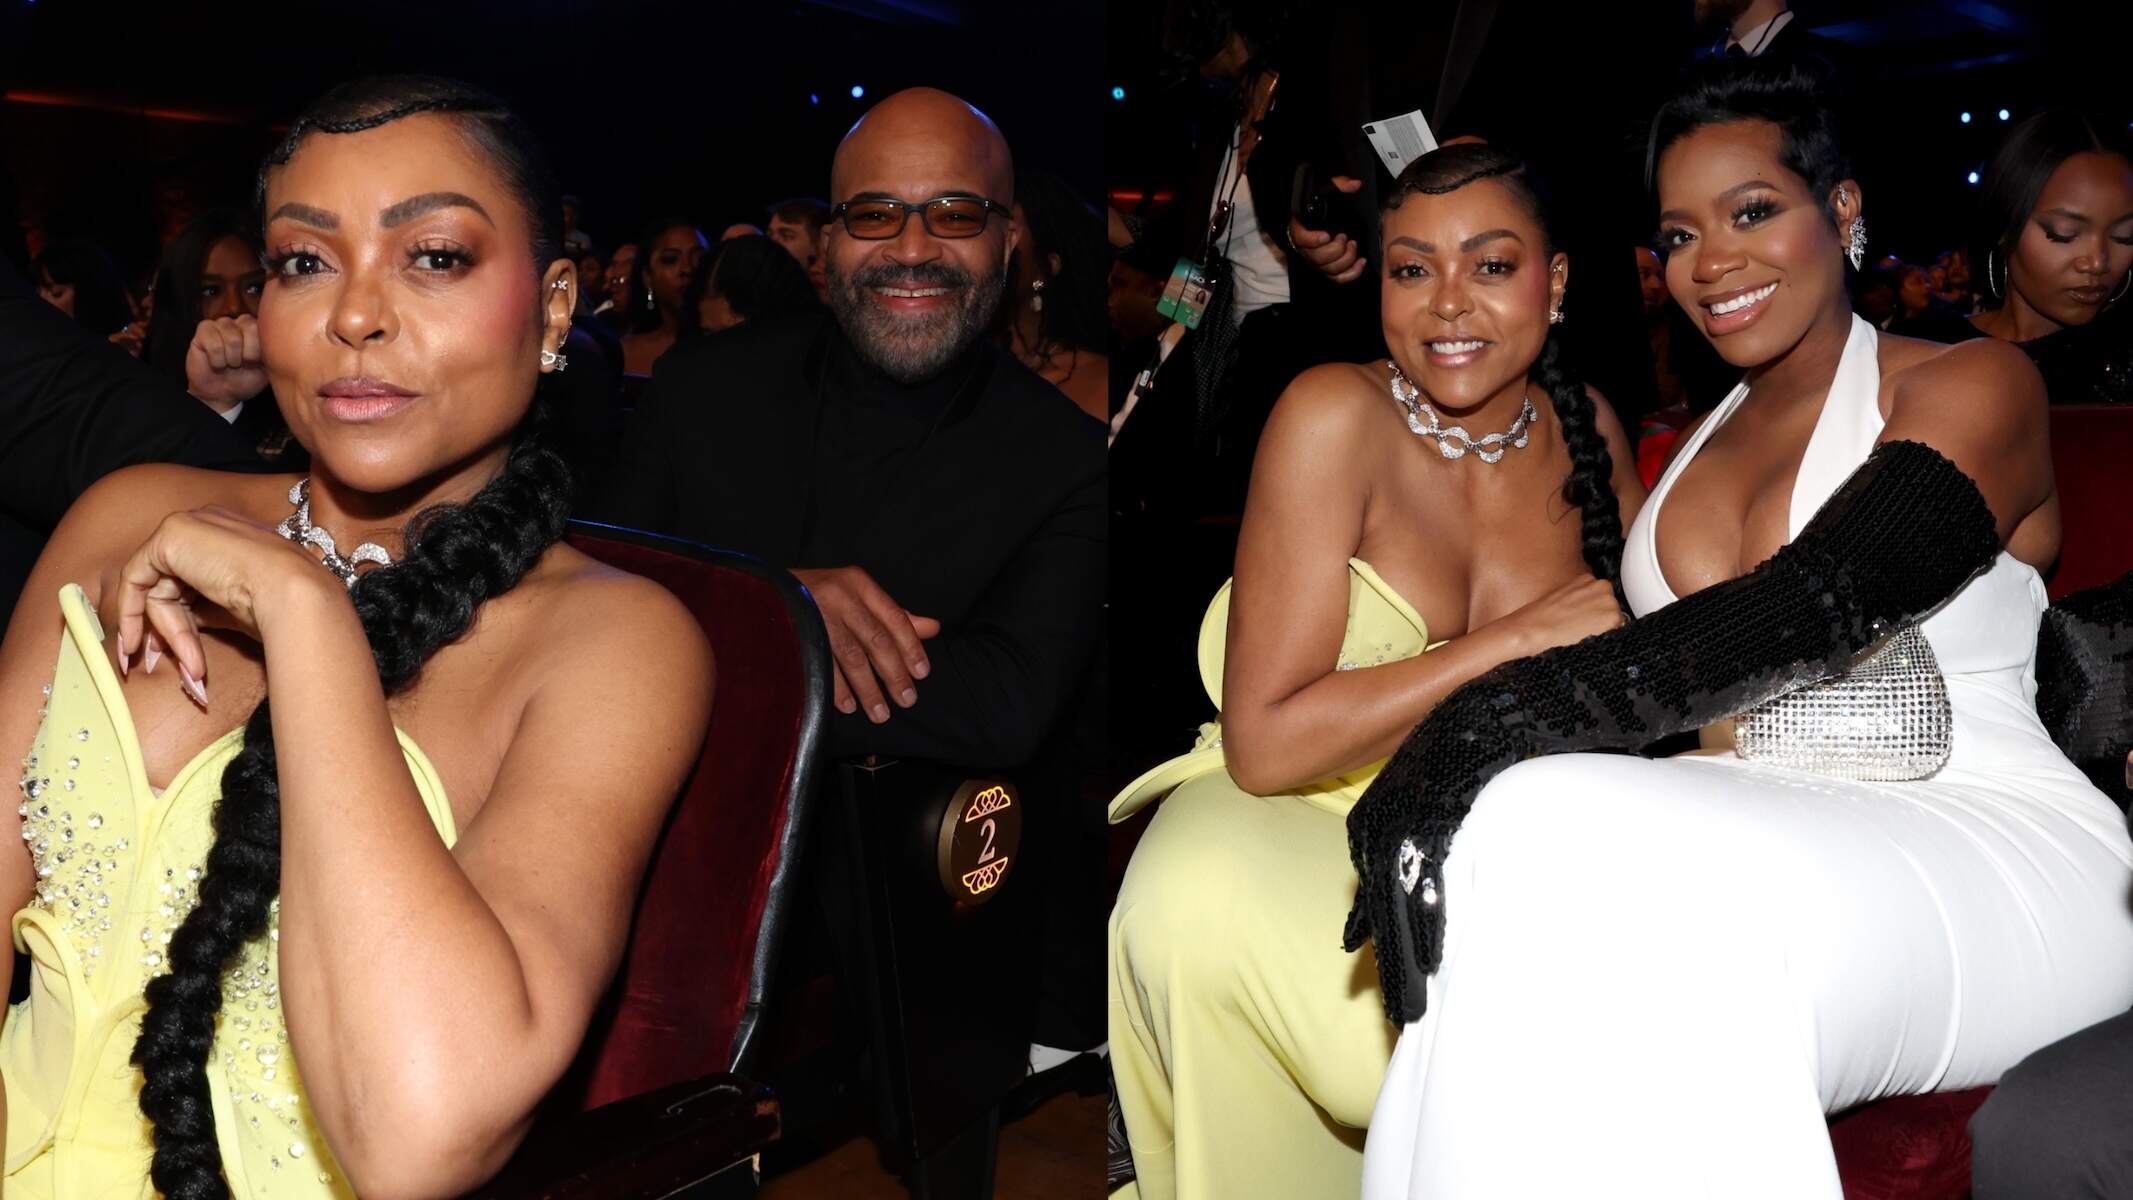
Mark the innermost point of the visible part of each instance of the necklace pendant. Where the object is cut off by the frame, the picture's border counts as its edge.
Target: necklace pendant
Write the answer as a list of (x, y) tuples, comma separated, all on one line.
[(1450, 449), (1489, 456), (1519, 442)]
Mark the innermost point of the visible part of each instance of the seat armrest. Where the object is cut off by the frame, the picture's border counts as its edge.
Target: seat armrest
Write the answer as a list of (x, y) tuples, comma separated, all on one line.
[(647, 1146)]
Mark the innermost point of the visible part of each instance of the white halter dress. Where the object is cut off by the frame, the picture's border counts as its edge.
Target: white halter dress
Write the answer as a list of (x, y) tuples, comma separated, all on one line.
[(1763, 947)]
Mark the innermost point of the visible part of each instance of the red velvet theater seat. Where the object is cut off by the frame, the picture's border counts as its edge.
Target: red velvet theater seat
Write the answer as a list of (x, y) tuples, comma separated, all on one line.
[(701, 948), (1916, 1147)]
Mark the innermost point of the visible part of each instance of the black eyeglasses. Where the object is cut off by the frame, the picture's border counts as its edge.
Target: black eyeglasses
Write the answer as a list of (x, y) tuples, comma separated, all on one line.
[(944, 216)]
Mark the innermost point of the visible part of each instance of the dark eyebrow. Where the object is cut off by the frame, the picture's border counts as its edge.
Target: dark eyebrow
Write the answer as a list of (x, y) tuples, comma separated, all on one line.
[(1479, 239), (316, 217), (1675, 214), (428, 202), (1482, 239)]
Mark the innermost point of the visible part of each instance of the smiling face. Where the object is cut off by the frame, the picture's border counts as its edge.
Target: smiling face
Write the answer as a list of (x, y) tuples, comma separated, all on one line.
[(403, 317), (231, 281), (913, 302), (1751, 257), (1468, 287), (2077, 245)]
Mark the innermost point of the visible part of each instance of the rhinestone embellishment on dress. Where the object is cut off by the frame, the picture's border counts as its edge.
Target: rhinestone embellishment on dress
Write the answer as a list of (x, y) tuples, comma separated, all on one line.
[(1455, 441)]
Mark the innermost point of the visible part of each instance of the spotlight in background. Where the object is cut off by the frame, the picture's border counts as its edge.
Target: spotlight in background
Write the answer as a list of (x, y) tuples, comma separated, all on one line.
[(1966, 118), (814, 98), (1118, 93), (1973, 176), (2004, 114), (858, 92)]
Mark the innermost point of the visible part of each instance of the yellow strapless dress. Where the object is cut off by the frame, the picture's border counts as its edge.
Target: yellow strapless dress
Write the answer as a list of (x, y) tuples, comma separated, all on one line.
[(1247, 1045), (118, 868)]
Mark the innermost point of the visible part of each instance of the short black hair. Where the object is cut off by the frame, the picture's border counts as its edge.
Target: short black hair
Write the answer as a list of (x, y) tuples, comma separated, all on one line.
[(2033, 149), (99, 290), (758, 278), (1797, 97), (802, 210)]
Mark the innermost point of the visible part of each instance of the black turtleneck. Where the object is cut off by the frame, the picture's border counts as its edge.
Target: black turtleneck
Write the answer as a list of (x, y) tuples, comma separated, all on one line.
[(871, 429), (975, 498)]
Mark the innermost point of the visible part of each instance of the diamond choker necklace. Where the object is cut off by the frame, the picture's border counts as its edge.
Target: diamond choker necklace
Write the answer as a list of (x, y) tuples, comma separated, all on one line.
[(297, 527), (1454, 442)]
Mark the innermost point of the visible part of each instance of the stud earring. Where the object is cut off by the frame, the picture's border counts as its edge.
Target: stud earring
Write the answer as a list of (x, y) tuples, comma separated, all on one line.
[(1555, 316), (554, 361)]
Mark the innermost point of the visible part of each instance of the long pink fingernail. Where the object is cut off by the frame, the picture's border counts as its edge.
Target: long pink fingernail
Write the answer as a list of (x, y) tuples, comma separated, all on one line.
[(193, 687), (150, 656), (122, 658)]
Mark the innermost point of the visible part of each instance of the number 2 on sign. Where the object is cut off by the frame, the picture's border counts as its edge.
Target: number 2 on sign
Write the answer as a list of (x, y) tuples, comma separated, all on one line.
[(986, 855)]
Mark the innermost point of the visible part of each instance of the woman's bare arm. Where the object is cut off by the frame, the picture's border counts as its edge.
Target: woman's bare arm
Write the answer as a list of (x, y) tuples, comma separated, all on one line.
[(1289, 718)]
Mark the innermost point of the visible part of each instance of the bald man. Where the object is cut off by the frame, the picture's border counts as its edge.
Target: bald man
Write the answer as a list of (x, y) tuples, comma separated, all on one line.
[(943, 505)]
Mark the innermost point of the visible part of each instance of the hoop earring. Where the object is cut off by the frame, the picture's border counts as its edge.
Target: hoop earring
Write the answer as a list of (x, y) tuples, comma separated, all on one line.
[(1992, 283), (2120, 294)]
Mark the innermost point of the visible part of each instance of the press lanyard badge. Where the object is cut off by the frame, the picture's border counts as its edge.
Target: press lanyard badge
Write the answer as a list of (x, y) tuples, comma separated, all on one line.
[(1185, 297)]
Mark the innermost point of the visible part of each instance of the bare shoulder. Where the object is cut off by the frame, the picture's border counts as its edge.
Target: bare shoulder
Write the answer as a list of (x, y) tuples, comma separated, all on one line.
[(1343, 401), (1981, 381), (111, 519), (589, 616)]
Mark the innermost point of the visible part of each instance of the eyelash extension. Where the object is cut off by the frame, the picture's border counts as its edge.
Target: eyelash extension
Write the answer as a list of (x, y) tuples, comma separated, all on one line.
[(461, 260), (1761, 207), (277, 262)]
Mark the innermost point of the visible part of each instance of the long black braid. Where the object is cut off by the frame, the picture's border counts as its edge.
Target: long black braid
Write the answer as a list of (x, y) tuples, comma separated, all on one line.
[(1590, 485), (457, 557)]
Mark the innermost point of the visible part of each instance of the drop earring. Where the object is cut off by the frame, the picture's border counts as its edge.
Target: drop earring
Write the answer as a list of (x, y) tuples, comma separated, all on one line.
[(1857, 250), (1036, 296)]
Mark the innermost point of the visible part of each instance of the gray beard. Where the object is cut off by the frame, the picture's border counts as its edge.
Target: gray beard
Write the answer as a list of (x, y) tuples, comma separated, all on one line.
[(910, 349)]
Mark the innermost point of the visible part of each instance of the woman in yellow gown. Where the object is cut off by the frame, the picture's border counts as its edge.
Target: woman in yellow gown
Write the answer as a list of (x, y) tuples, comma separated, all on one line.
[(322, 873), (1384, 518)]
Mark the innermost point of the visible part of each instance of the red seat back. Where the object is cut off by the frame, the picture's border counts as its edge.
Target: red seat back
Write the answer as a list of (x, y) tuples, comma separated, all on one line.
[(701, 947), (2091, 445)]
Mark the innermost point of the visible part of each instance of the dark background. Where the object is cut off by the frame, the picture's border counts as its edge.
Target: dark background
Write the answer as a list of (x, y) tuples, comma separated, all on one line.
[(1575, 84), (113, 113)]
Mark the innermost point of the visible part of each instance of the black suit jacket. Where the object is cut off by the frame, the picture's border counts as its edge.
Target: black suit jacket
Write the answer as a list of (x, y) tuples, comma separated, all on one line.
[(996, 527), (72, 410)]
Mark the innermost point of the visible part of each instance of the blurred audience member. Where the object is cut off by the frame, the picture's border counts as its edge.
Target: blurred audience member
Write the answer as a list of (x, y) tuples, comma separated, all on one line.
[(1920, 313), (574, 238), (1874, 294), (1054, 318), (592, 283), (796, 224), (210, 269), (740, 230), (1952, 271), (2057, 220), (658, 277), (80, 280), (616, 304), (745, 279), (1659, 331)]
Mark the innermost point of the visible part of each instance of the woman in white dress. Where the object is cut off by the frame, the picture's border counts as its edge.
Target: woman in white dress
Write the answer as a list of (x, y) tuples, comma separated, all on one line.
[(1655, 978)]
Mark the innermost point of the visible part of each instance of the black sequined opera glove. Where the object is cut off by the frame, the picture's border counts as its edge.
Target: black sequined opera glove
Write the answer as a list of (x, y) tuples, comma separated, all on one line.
[(2085, 682), (1900, 536)]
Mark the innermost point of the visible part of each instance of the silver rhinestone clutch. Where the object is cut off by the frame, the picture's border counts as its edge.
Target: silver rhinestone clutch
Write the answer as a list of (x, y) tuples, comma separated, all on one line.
[(1884, 718)]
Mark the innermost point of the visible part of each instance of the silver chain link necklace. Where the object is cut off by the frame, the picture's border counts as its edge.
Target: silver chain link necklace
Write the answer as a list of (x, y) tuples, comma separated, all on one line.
[(297, 527), (1455, 442)]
